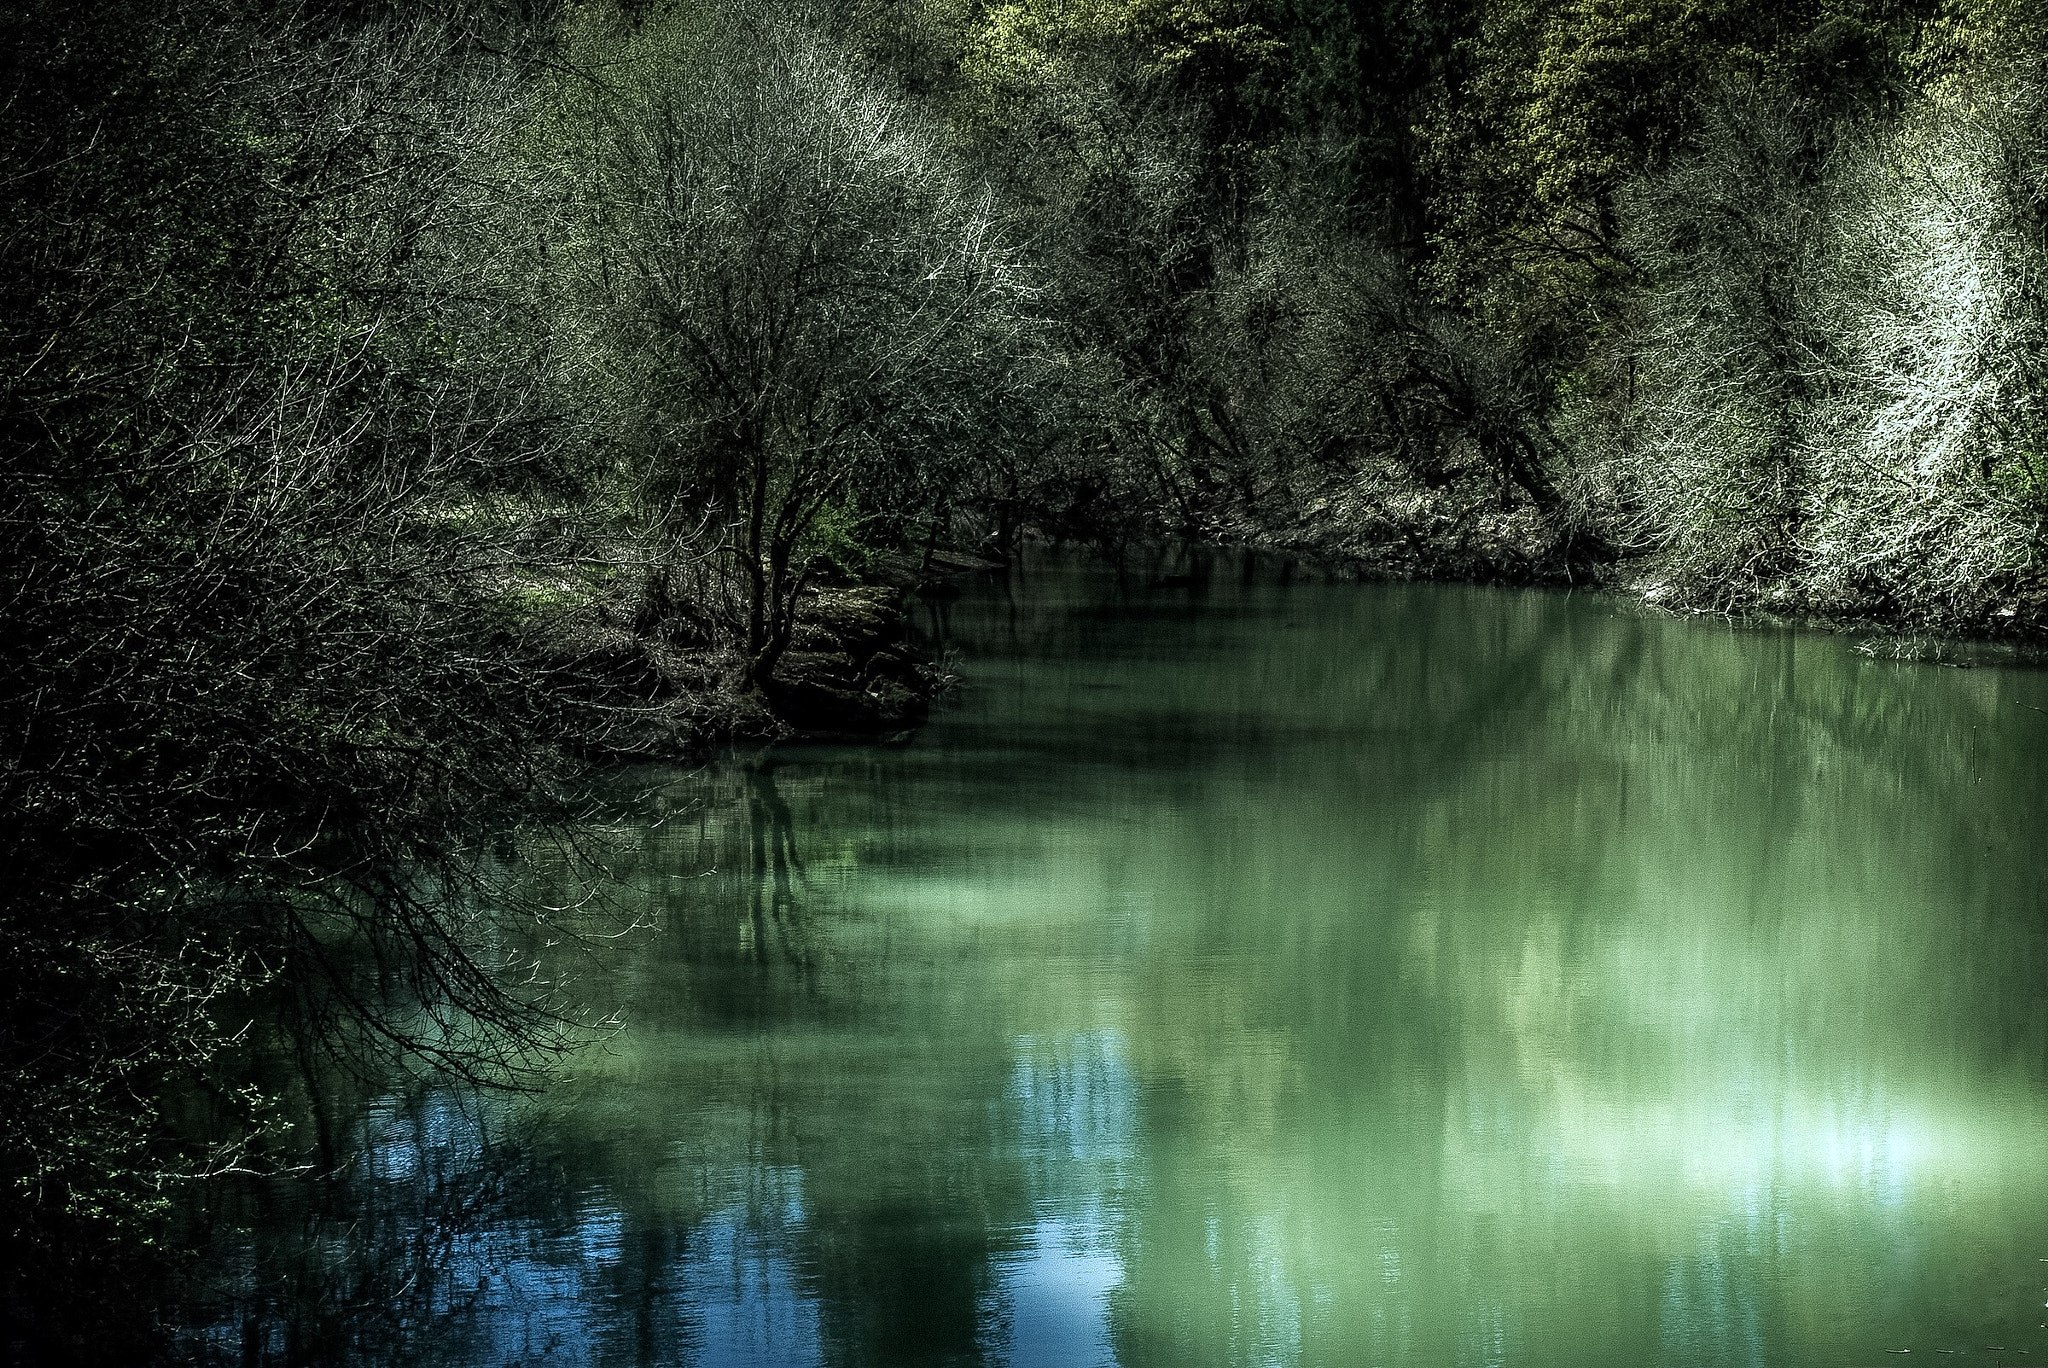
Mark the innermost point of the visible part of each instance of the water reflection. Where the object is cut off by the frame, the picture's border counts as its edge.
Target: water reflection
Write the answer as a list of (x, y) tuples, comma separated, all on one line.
[(1296, 975)]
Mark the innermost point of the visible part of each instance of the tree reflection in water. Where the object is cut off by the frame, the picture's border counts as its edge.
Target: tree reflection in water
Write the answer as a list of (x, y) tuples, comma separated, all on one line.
[(1413, 975), (777, 868)]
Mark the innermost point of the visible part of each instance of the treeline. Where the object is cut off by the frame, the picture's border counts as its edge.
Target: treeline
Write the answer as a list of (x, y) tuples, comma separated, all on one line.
[(406, 404), (1736, 303)]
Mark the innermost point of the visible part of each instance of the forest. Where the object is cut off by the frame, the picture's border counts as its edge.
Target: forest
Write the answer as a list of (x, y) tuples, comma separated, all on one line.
[(410, 408)]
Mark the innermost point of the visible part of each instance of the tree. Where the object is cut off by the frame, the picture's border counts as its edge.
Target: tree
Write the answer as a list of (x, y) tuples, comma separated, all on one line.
[(260, 685), (803, 313)]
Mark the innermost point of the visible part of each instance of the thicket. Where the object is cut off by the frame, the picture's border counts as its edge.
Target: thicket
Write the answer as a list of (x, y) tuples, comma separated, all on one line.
[(1843, 350), (1732, 302), (404, 405), (798, 318), (258, 686)]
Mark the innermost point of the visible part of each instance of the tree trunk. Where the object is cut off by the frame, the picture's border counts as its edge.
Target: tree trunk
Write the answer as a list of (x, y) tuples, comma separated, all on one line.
[(759, 594), (778, 617)]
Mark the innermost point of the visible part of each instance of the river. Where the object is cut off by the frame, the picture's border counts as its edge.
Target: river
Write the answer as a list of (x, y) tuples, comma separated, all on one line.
[(1256, 973)]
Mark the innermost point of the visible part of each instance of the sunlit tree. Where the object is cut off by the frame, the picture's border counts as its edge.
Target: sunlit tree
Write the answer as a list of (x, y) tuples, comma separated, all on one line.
[(804, 315)]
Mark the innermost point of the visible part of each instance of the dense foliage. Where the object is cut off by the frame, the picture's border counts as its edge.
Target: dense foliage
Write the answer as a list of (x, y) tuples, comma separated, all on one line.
[(401, 401), (257, 685), (1732, 301)]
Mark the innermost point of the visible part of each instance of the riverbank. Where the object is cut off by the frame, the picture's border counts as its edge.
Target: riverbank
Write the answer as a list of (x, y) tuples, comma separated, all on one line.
[(661, 682), (1372, 537)]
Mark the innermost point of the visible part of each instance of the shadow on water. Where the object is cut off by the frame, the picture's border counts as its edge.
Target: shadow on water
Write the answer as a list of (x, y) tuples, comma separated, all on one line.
[(1268, 972)]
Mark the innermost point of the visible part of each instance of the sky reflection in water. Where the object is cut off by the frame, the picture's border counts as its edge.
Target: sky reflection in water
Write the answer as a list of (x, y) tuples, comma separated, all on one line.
[(1403, 975)]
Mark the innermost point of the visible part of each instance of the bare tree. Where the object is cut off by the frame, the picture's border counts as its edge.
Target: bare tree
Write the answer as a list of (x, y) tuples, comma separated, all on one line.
[(259, 685), (1842, 335), (804, 315)]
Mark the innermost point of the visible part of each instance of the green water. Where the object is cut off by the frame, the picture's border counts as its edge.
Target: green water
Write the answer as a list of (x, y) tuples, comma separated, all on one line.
[(1314, 975)]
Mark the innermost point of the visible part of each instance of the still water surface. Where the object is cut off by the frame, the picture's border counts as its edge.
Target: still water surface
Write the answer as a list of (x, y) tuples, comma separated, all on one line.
[(1405, 975)]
